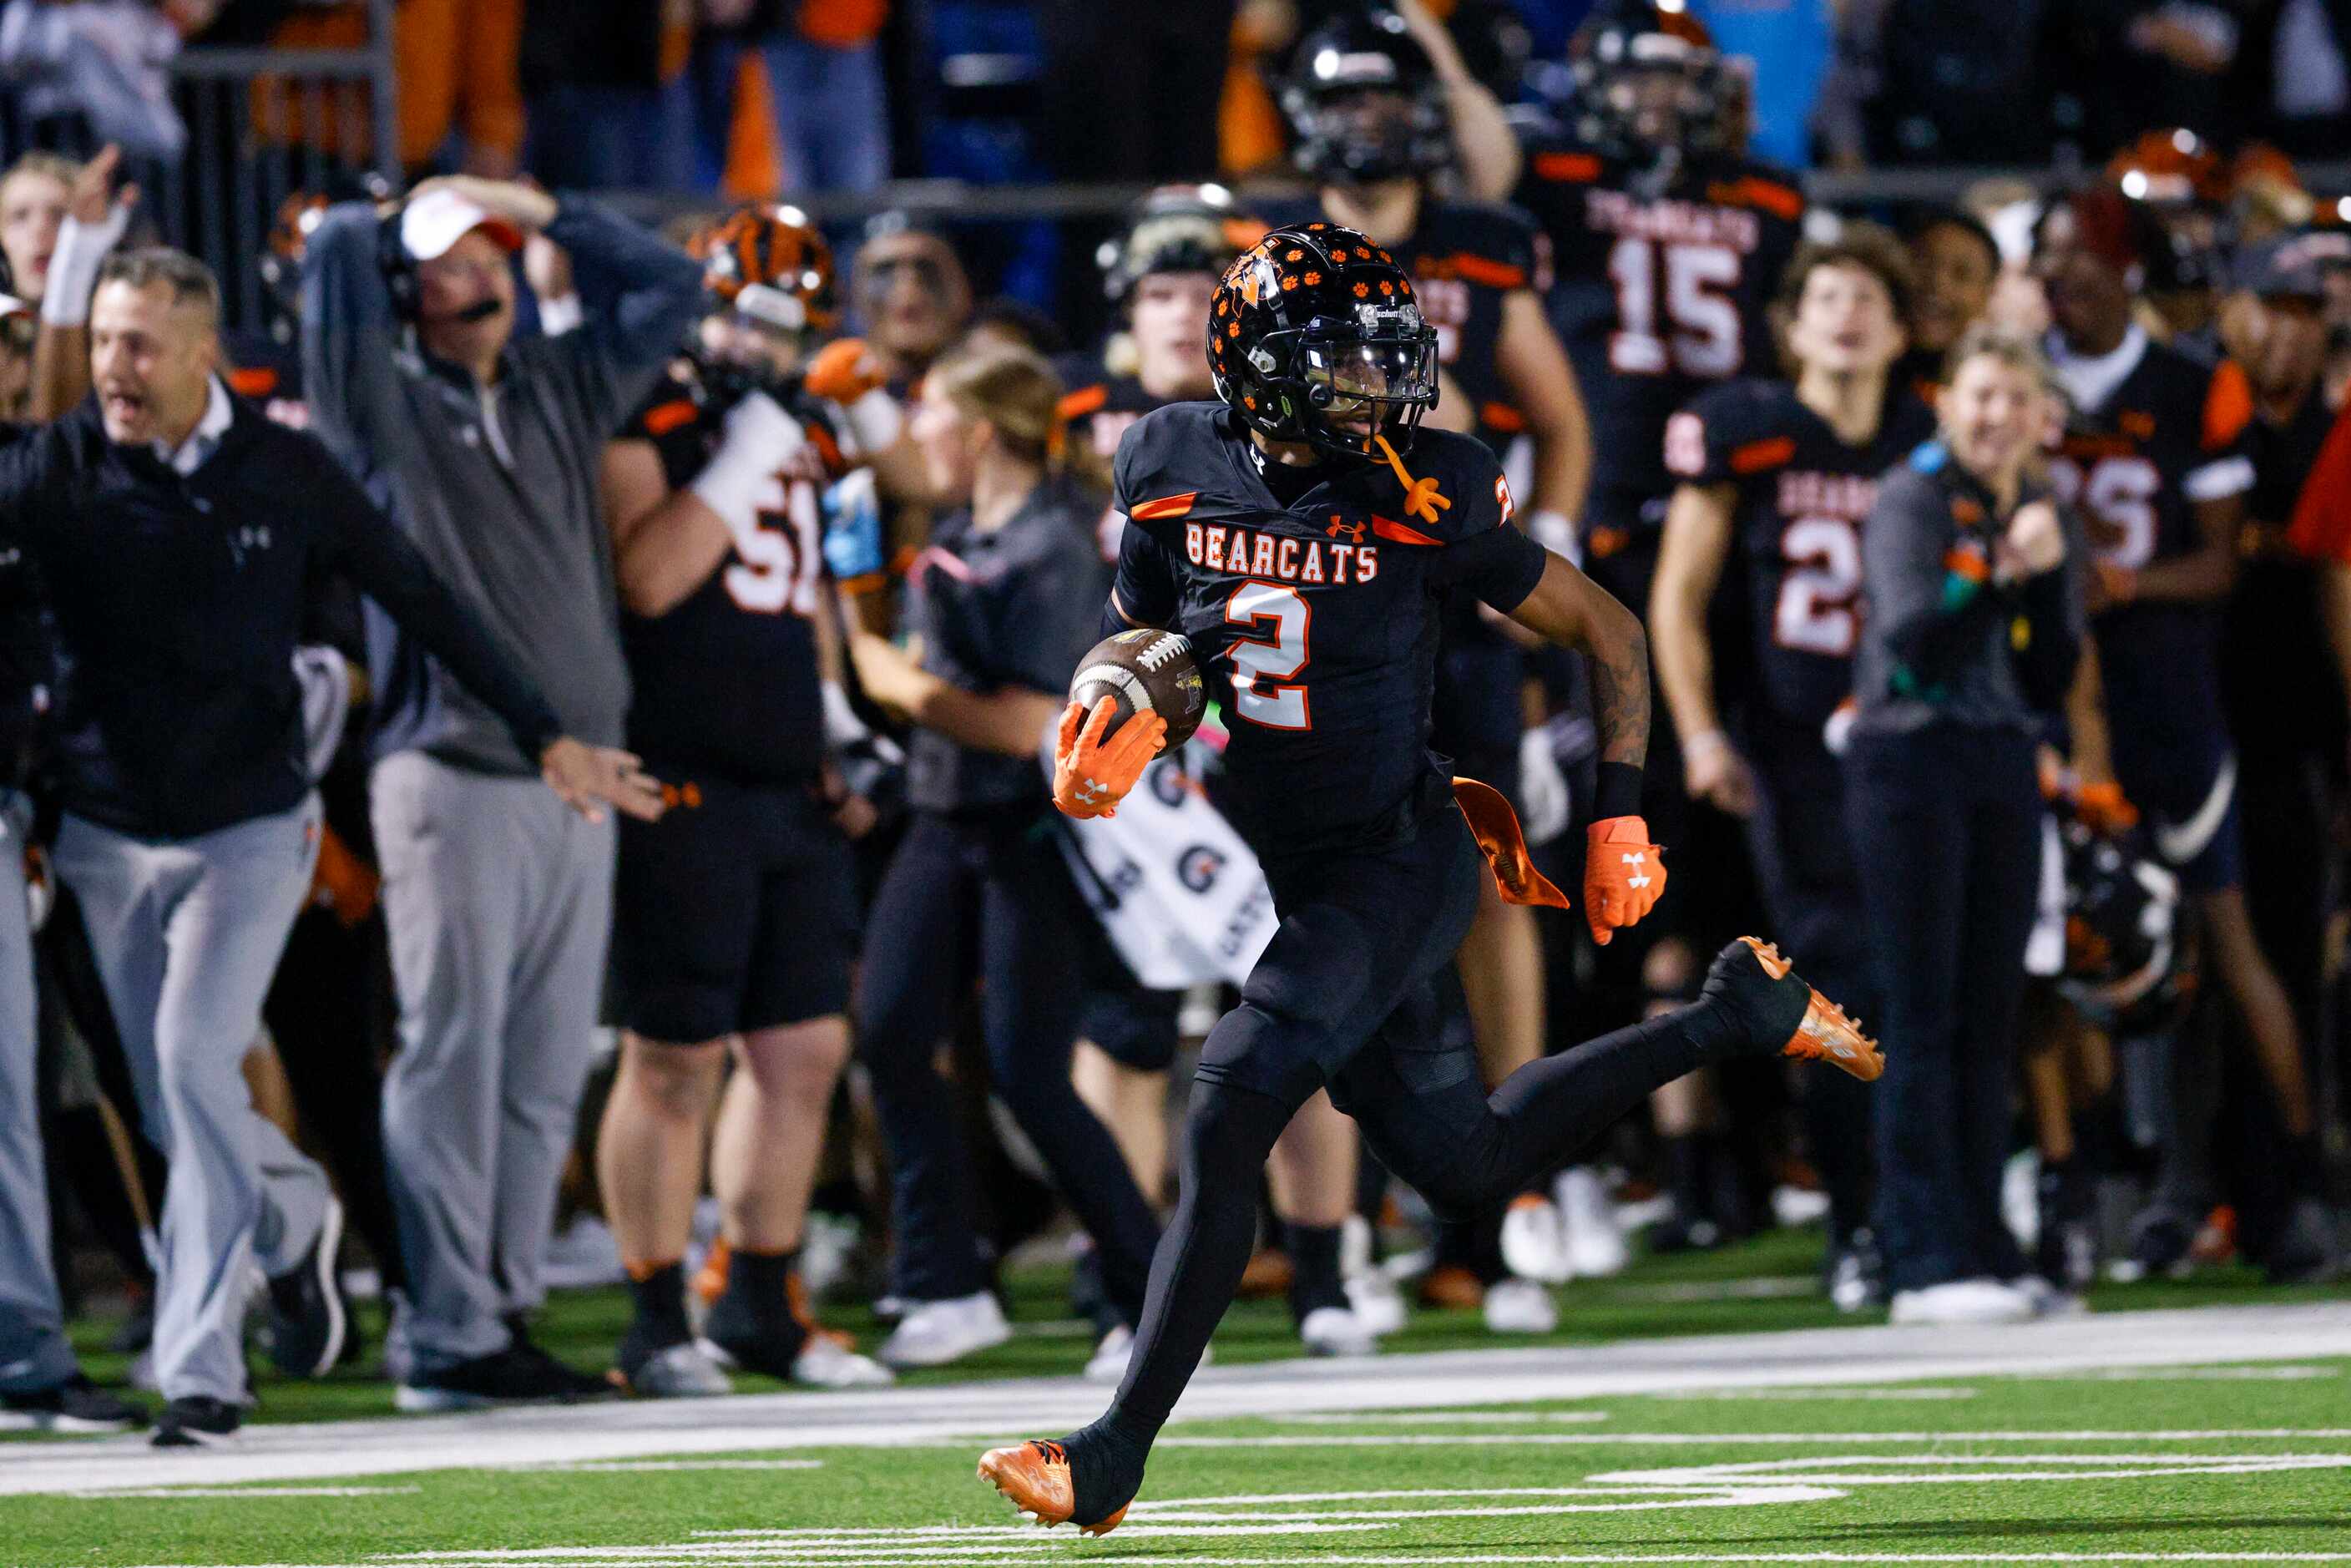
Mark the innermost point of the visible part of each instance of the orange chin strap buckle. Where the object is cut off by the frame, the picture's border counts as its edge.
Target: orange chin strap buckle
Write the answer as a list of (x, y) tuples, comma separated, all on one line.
[(1420, 497)]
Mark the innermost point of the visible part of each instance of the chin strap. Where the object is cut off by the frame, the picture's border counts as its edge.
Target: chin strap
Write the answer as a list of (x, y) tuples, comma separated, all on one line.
[(1420, 497)]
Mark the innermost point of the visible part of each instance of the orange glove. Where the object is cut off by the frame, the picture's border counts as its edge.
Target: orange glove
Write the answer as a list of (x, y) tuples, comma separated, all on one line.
[(1623, 874), (1090, 776), (843, 371), (2103, 809)]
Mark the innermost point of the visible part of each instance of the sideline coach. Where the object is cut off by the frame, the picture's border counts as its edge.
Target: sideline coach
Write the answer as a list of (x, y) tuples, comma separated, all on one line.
[(485, 451), (177, 536)]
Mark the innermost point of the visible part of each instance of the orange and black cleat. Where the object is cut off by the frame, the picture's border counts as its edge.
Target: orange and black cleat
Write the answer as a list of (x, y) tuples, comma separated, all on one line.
[(1034, 1477), (1826, 1034)]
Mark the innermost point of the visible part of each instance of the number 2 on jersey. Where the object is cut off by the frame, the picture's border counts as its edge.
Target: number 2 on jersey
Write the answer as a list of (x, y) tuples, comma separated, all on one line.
[(776, 566), (1815, 612), (1704, 340), (1257, 663)]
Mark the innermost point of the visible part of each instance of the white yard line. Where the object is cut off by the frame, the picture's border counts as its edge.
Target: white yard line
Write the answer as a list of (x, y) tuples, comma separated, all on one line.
[(758, 1424)]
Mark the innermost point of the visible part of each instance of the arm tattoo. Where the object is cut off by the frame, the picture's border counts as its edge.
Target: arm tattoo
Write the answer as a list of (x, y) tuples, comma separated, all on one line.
[(1620, 695)]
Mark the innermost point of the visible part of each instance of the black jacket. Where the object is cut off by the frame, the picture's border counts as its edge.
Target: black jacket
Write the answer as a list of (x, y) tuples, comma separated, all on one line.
[(177, 603)]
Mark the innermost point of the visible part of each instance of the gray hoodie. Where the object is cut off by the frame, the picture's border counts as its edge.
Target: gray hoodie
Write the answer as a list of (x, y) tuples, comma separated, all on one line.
[(524, 545)]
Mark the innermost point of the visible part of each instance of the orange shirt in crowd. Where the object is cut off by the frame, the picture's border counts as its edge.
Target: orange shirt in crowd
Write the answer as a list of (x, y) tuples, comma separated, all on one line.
[(458, 63)]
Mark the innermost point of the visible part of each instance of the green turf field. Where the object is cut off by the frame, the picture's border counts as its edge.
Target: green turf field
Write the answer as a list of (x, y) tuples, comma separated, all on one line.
[(2177, 1466), (2119, 1464)]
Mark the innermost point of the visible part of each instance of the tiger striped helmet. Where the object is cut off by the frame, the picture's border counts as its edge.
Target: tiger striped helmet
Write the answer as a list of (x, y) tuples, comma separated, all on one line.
[(772, 264)]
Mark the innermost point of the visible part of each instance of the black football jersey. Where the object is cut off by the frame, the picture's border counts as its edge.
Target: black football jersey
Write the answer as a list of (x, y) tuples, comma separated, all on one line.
[(1658, 297), (1803, 495), (727, 681), (1315, 624), (2171, 434), (1463, 257), (1095, 413)]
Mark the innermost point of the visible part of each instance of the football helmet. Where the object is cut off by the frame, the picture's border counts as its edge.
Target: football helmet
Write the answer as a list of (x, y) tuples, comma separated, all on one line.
[(771, 265), (281, 254), (1365, 103), (1314, 336), (2126, 942), (1175, 228), (1647, 84)]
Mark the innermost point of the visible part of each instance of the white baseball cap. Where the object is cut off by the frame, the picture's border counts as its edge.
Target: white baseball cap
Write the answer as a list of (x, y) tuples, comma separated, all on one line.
[(432, 223)]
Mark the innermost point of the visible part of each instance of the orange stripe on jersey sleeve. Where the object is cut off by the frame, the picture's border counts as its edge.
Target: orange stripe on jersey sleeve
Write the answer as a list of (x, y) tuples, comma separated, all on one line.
[(1399, 533), (1491, 274), (1569, 168), (2227, 406), (253, 380), (1165, 507), (2321, 529), (664, 417), (1765, 195), (1501, 416), (1757, 456), (1083, 401)]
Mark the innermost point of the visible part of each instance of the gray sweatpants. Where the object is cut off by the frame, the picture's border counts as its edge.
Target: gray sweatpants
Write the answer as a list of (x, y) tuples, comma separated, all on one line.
[(34, 1354), (499, 902), (187, 933)]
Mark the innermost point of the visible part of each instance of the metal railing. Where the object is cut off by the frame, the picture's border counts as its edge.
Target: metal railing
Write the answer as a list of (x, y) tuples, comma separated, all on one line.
[(261, 124)]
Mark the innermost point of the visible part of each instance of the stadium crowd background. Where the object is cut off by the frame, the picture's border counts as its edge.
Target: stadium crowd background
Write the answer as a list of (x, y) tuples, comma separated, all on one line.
[(2140, 152)]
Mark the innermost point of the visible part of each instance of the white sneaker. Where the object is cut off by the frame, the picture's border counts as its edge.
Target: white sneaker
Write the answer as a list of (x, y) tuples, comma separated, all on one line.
[(1376, 1302), (1962, 1301), (1111, 1356), (1336, 1331), (1595, 1241), (934, 1333), (682, 1371), (1534, 1241), (1519, 1306), (826, 1363), (2048, 1301)]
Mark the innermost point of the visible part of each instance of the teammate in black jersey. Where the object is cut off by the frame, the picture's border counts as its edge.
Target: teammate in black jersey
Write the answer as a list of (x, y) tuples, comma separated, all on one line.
[(1305, 543), (736, 914), (1776, 479), (1668, 242), (1374, 130), (2156, 456)]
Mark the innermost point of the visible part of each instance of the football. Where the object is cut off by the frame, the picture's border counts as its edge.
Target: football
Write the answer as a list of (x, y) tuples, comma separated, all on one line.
[(1145, 670)]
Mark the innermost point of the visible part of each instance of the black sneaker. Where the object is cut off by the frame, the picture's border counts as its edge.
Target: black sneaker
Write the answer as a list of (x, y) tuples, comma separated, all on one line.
[(1854, 1275), (2160, 1238), (752, 1337), (77, 1404), (197, 1422), (522, 1374), (2305, 1251), (2066, 1254), (308, 1315)]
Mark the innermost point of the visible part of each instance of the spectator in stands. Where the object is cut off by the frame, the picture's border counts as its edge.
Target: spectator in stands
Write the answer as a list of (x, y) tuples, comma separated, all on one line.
[(1945, 811), (825, 87), (33, 196), (486, 450), (190, 824), (910, 293), (605, 84), (17, 325)]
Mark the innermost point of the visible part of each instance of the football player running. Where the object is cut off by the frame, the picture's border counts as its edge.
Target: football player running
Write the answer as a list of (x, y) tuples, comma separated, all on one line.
[(1284, 534), (1374, 128), (735, 916), (1777, 478)]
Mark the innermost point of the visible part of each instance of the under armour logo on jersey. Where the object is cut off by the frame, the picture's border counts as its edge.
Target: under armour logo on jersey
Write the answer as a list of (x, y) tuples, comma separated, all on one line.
[(1636, 859), (1353, 531)]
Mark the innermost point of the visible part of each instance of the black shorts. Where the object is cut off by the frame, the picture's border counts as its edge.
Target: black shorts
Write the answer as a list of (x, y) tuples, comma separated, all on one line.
[(733, 914), (2184, 783), (1477, 710), (1134, 1026), (1362, 939)]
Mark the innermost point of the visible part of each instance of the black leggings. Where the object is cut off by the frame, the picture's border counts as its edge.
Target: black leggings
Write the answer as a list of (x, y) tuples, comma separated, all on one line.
[(1416, 1095), (1947, 823), (985, 900)]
